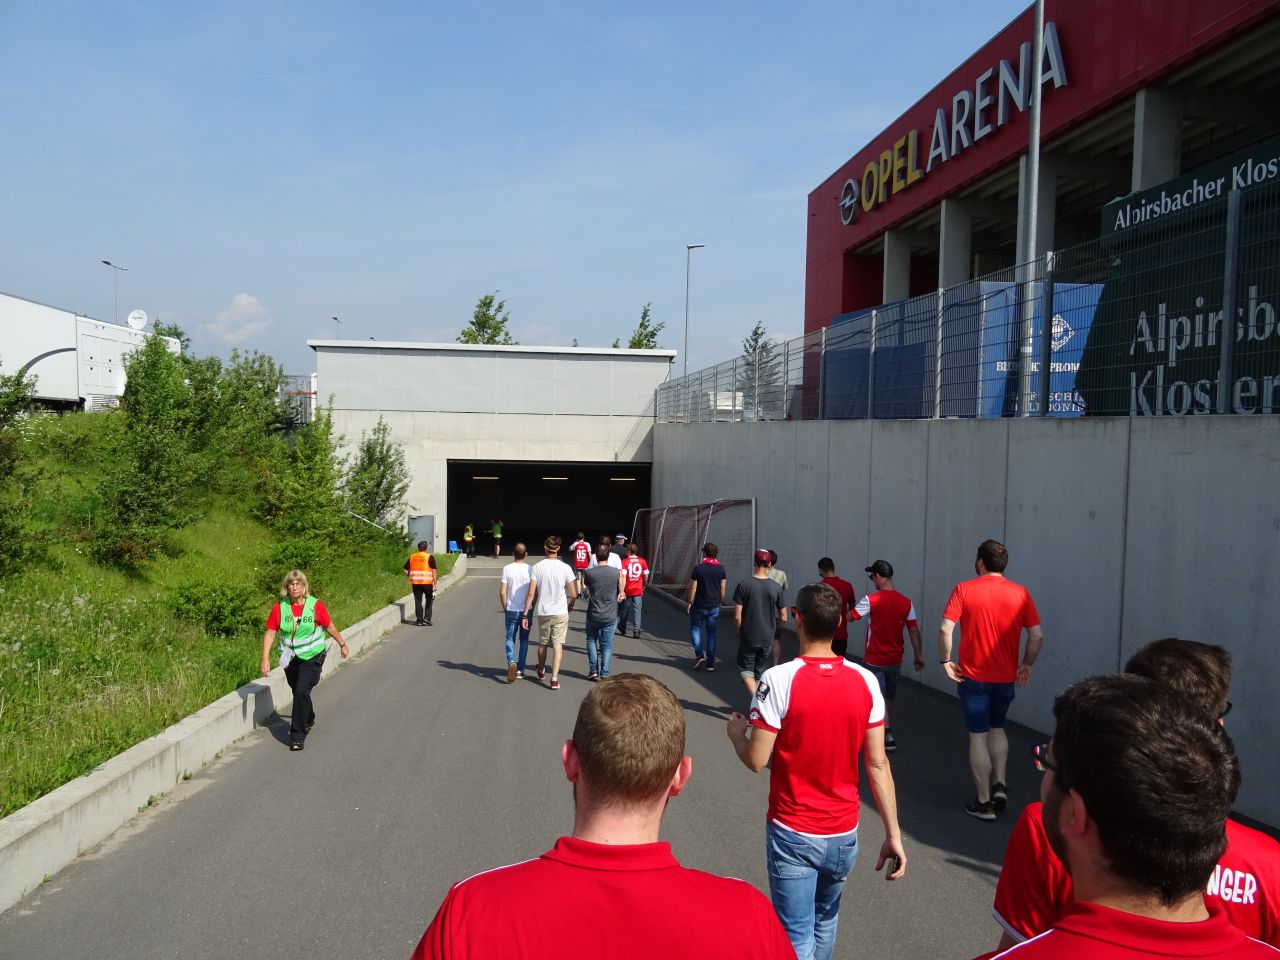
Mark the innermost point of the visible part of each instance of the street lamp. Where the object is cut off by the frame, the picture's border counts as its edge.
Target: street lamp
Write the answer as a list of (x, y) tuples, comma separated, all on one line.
[(688, 257), (115, 285), (336, 324)]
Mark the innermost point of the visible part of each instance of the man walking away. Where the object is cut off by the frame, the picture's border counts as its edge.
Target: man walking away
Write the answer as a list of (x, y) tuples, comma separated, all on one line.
[(495, 527), (812, 716), (619, 547), (992, 613), (707, 585), (636, 571), (421, 568), (631, 898), (580, 550), (552, 590), (469, 539), (827, 571), (888, 612), (605, 593), (778, 576), (612, 559), (757, 612), (513, 590), (1138, 782)]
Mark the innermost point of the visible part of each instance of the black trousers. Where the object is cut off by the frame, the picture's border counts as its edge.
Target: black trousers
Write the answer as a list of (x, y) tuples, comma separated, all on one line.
[(424, 595), (302, 676)]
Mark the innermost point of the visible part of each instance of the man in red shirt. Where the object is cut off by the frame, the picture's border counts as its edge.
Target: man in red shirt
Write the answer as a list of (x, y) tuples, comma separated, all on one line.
[(827, 571), (636, 571), (812, 716), (580, 552), (1138, 784), (888, 612), (992, 613), (1035, 888), (628, 896)]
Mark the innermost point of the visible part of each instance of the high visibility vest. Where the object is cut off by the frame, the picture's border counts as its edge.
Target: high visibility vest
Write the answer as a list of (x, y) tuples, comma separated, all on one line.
[(420, 571), (300, 634), (468, 534)]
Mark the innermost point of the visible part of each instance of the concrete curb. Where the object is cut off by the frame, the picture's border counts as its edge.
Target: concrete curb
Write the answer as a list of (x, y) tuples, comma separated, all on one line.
[(49, 833)]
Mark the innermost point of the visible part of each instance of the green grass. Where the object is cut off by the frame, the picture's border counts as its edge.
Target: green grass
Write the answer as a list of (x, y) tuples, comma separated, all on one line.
[(94, 660)]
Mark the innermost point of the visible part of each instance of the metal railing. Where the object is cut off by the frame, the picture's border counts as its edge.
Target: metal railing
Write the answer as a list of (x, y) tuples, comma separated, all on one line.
[(1129, 324)]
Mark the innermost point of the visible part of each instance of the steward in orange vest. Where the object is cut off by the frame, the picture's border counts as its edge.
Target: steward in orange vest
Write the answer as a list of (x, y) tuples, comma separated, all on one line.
[(421, 568)]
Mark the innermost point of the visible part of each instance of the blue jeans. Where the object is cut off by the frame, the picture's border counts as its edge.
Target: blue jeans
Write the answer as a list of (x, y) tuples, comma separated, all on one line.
[(697, 617), (806, 879), (629, 609), (513, 624), (600, 633)]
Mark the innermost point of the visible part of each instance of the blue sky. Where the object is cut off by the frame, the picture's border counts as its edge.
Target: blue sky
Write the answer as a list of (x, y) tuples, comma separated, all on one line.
[(261, 167)]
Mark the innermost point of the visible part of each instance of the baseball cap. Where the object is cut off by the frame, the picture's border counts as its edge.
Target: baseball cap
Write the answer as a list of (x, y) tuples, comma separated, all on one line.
[(762, 558), (621, 538), (881, 568)]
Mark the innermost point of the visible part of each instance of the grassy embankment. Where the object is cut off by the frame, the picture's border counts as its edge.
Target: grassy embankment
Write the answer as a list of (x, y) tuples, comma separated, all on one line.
[(94, 660)]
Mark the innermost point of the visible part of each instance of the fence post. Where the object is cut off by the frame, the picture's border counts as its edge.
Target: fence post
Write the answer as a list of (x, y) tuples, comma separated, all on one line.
[(871, 370), (1230, 294), (786, 377), (755, 394), (822, 376), (937, 361), (1046, 333)]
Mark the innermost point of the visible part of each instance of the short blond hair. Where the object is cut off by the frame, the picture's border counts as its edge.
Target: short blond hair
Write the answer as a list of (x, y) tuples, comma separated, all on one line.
[(294, 576), (630, 739)]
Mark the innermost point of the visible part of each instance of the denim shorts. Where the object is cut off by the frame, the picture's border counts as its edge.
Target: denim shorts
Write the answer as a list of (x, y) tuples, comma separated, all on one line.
[(888, 677), (752, 660), (985, 704)]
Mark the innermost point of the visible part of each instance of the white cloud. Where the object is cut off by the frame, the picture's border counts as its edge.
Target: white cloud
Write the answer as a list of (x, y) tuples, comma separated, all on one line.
[(242, 319)]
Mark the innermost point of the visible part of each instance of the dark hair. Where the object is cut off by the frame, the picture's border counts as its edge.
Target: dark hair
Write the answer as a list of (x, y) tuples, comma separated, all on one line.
[(632, 549), (551, 544), (826, 565), (604, 541), (993, 556), (630, 739), (1157, 774), (1201, 672), (773, 557), (520, 551), (581, 535), (709, 549), (422, 544), (820, 606), (602, 553)]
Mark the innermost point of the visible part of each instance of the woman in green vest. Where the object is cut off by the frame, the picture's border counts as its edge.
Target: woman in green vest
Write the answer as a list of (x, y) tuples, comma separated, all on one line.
[(301, 625)]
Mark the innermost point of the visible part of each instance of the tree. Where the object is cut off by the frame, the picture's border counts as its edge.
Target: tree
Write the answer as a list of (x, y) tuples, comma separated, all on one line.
[(15, 400), (379, 478), (645, 335), (488, 323), (760, 377)]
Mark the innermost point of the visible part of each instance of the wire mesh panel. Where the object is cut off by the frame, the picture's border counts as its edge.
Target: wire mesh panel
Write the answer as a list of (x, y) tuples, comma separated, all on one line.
[(671, 540)]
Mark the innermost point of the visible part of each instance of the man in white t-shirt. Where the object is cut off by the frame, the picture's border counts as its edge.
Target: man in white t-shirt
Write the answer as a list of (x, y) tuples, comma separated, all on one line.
[(513, 589), (552, 590), (614, 560)]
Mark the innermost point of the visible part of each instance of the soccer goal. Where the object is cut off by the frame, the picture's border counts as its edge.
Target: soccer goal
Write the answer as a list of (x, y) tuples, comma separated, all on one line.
[(671, 539)]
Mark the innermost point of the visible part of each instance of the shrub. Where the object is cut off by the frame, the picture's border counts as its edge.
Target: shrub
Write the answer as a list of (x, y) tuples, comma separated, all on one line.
[(223, 609)]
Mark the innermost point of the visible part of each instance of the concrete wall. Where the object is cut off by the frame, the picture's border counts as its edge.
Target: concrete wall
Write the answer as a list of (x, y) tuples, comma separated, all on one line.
[(459, 402), (1124, 530)]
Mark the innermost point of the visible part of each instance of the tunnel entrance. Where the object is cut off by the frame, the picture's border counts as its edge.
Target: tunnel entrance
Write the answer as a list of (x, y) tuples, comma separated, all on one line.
[(535, 499)]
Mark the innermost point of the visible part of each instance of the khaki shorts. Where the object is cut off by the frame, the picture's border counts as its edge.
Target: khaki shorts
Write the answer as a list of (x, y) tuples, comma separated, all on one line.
[(553, 628)]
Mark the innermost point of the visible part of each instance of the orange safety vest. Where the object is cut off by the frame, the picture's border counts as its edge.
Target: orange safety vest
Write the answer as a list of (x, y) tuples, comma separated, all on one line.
[(420, 571)]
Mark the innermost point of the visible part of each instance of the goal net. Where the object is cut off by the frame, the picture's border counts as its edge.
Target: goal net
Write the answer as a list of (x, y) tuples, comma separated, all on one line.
[(671, 540)]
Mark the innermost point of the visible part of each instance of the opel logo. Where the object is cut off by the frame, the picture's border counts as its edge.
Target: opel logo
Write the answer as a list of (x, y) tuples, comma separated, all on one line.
[(849, 202)]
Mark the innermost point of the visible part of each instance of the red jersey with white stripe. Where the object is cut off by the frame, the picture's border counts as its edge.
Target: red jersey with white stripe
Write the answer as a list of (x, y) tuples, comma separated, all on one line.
[(1035, 889), (1095, 932), (888, 612), (992, 613), (637, 572), (616, 894), (581, 554), (847, 599), (821, 709)]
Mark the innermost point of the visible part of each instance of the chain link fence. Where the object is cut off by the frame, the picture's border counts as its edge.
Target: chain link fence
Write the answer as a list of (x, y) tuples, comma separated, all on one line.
[(1130, 324)]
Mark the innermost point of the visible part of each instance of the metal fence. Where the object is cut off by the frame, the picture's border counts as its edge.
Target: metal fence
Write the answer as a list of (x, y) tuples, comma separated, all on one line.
[(1129, 324)]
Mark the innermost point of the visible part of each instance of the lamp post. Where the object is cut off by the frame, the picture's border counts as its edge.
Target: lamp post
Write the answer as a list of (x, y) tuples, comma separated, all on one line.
[(336, 324), (115, 284), (688, 259)]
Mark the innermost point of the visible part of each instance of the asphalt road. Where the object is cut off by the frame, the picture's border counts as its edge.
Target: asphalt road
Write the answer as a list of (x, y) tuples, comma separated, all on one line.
[(426, 767)]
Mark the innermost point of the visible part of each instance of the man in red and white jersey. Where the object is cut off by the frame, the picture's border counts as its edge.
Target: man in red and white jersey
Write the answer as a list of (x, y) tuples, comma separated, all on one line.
[(636, 571), (1138, 784), (992, 613), (813, 716), (1035, 888), (888, 613), (628, 897), (827, 571), (580, 554)]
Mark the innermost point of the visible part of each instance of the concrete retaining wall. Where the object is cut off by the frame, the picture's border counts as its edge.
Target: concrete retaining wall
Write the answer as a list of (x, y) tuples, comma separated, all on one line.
[(46, 835), (1124, 530)]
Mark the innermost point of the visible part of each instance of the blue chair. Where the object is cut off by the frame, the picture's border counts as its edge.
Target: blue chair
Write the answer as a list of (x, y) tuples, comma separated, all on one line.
[(453, 546)]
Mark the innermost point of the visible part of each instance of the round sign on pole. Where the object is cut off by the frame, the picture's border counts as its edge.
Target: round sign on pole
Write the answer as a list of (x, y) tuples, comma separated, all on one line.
[(138, 319)]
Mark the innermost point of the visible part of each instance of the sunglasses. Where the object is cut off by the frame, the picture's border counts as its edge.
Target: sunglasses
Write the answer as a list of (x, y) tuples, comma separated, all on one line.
[(1040, 758)]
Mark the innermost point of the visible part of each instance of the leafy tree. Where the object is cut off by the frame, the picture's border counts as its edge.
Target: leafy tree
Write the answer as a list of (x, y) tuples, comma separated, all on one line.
[(488, 323), (305, 484), (379, 478), (760, 377), (15, 400), (174, 331), (645, 335)]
